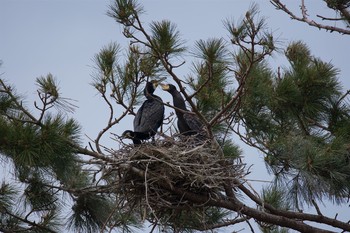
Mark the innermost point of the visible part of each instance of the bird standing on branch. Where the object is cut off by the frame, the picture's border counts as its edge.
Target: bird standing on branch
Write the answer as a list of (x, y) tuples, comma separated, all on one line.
[(149, 117)]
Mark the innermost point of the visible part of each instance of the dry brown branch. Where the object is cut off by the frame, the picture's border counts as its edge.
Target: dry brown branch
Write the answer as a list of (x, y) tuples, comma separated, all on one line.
[(306, 19)]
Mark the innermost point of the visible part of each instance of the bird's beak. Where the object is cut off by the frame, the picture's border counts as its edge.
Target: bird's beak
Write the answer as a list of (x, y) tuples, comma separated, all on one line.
[(126, 134), (165, 87), (158, 82), (161, 79)]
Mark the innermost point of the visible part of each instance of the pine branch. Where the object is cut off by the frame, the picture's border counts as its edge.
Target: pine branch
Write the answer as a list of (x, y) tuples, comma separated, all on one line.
[(343, 97), (105, 61), (330, 19), (225, 223), (317, 208), (8, 91), (45, 102), (305, 18), (31, 223), (295, 215), (91, 153), (110, 123), (258, 215)]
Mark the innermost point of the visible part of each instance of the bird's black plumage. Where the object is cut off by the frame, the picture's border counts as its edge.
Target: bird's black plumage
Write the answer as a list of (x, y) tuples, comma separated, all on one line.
[(187, 122), (149, 117)]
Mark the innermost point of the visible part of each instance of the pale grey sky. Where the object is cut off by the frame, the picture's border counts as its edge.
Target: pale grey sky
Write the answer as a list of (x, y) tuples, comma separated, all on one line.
[(38, 37), (61, 37)]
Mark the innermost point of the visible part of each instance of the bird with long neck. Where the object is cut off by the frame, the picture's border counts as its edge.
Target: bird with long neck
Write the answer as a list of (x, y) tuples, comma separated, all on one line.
[(149, 117), (187, 122)]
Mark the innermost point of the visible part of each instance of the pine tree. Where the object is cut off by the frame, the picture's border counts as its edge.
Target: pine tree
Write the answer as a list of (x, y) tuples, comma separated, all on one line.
[(298, 117)]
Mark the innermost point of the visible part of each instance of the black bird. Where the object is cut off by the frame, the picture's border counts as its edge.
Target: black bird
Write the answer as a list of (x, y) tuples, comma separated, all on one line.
[(187, 122), (149, 117)]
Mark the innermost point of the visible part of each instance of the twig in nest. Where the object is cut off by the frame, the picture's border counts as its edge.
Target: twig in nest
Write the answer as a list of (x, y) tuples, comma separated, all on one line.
[(146, 170)]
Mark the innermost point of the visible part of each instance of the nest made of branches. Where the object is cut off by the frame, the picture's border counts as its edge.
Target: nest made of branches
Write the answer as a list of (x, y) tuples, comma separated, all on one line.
[(149, 173)]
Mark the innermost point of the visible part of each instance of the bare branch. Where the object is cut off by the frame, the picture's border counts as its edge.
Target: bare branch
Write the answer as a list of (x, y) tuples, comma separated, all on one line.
[(280, 6)]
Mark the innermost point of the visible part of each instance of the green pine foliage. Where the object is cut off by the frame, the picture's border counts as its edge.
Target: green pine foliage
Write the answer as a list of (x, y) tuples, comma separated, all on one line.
[(257, 95), (125, 11), (94, 212), (277, 197), (230, 149), (120, 79), (107, 59), (6, 193), (39, 196), (166, 39), (47, 147), (291, 117), (42, 153), (214, 87), (90, 212), (212, 80), (13, 218)]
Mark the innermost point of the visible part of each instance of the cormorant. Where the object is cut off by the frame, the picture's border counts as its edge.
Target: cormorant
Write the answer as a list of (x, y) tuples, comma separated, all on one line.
[(149, 117), (187, 122)]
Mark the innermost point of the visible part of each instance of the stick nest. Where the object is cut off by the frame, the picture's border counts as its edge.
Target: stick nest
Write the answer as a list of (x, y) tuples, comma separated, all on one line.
[(150, 172)]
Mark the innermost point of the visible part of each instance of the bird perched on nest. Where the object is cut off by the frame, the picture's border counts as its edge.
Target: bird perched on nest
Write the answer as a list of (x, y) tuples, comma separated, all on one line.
[(187, 122), (149, 117)]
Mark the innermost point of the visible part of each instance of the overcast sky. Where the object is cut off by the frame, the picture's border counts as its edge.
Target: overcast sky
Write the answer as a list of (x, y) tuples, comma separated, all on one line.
[(61, 37)]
